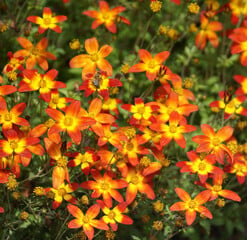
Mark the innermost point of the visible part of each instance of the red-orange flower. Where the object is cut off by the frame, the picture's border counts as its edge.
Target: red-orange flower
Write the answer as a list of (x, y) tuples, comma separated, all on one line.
[(94, 58), (150, 65), (202, 165), (243, 82), (207, 32), (175, 130), (70, 122), (87, 221), (105, 186), (48, 21), (107, 16), (44, 83), (34, 54), (8, 118), (112, 216), (216, 190), (191, 206), (211, 142)]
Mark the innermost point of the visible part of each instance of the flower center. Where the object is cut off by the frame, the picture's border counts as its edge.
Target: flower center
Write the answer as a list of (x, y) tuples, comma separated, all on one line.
[(68, 121), (42, 83), (94, 57), (55, 99), (47, 21), (129, 146), (141, 110), (217, 188), (173, 128), (61, 192), (104, 186), (62, 162), (111, 215), (8, 117), (105, 16), (192, 204), (134, 180), (178, 91), (216, 141), (86, 219), (151, 64), (36, 51), (13, 145), (202, 166)]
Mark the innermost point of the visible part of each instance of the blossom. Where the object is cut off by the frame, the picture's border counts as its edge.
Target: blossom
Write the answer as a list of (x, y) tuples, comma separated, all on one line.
[(150, 65), (44, 83), (107, 16), (239, 8), (202, 165), (48, 21), (71, 122), (105, 186), (8, 118), (87, 221), (94, 58), (216, 189), (207, 32), (115, 215), (243, 82), (211, 142), (191, 206), (175, 130), (34, 54)]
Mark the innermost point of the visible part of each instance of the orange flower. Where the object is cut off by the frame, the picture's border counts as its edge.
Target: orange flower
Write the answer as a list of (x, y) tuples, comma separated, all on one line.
[(48, 21), (150, 65), (112, 216), (94, 58), (232, 107), (239, 8), (87, 221), (243, 82), (207, 32), (211, 142), (191, 206), (142, 113), (34, 81), (107, 16), (175, 130), (216, 190), (63, 191), (8, 118), (34, 54), (105, 186), (201, 166), (70, 122)]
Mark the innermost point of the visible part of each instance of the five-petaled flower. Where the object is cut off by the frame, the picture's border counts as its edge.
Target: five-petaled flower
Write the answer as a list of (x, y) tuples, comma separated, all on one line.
[(87, 221), (48, 21), (191, 206)]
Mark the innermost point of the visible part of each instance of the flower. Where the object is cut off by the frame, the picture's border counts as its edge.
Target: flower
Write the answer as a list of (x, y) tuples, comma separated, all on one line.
[(243, 82), (34, 54), (94, 58), (107, 16), (87, 221), (239, 8), (191, 206), (150, 65), (112, 216), (155, 5), (211, 142), (48, 21), (207, 32)]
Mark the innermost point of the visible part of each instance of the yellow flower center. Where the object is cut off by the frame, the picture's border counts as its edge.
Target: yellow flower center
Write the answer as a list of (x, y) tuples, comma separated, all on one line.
[(216, 141), (61, 191), (151, 64), (108, 135), (42, 83), (94, 57), (141, 110), (173, 128), (68, 121), (50, 122), (134, 180), (105, 16), (104, 186), (36, 51), (178, 91), (62, 162), (129, 146), (192, 204), (47, 21), (86, 219), (13, 145), (202, 166), (8, 117), (111, 215), (217, 188), (55, 99)]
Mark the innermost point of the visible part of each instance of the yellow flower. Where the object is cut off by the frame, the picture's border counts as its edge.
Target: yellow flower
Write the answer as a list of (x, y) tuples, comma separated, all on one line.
[(39, 191), (193, 8), (158, 206), (125, 68), (12, 183), (193, 27), (155, 6), (24, 215), (157, 225), (75, 44)]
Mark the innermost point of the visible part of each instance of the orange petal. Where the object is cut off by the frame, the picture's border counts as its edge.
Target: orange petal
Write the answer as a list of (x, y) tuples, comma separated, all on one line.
[(75, 223), (179, 206), (161, 57), (105, 66), (47, 13), (58, 176), (79, 61), (105, 51), (230, 195), (91, 45), (75, 211), (24, 42), (202, 197), (190, 216), (93, 211), (224, 133), (183, 195), (145, 56)]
